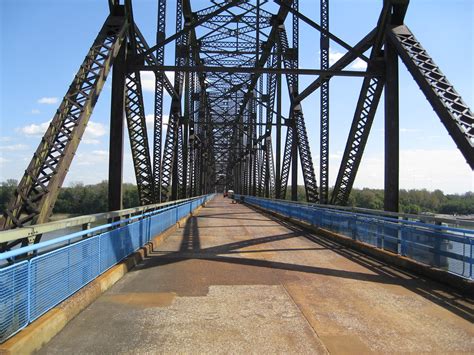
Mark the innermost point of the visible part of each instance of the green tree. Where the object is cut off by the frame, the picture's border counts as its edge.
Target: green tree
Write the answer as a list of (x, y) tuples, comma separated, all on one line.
[(7, 189)]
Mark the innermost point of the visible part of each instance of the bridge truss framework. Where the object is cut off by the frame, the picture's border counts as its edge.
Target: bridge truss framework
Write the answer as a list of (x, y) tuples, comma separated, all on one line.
[(226, 126)]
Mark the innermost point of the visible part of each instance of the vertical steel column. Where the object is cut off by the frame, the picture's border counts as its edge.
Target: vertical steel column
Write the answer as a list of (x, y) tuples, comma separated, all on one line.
[(192, 135), (255, 162), (324, 114), (278, 128), (117, 112), (158, 119), (180, 53), (294, 148), (258, 113), (294, 163), (187, 113), (391, 195)]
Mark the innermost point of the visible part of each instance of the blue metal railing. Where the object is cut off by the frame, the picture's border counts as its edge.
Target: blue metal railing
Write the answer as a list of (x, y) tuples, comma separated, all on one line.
[(447, 248), (30, 288)]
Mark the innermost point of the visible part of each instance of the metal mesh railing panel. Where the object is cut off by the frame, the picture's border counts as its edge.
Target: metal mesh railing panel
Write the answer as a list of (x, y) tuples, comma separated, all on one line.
[(450, 249), (30, 288), (13, 299)]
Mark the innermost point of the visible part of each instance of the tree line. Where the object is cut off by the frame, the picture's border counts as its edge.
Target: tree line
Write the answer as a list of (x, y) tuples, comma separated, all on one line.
[(410, 201), (79, 199)]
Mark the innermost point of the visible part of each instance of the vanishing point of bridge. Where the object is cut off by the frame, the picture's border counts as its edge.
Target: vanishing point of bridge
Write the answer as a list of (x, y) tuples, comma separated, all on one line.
[(191, 271)]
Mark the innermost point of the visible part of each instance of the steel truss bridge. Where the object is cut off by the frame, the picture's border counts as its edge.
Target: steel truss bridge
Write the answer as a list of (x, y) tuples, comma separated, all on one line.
[(226, 126)]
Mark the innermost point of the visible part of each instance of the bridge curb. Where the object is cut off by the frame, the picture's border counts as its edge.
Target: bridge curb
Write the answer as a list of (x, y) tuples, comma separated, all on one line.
[(42, 330), (460, 284)]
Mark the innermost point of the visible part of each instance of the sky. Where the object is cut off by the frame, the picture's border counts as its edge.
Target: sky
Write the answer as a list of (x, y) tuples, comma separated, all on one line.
[(42, 44)]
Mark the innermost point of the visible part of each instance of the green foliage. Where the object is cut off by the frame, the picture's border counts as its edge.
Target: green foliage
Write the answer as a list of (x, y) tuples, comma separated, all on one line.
[(366, 198), (455, 204), (411, 201), (6, 192), (78, 199)]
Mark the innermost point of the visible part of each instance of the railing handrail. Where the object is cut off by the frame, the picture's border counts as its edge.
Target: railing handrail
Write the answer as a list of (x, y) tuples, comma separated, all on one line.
[(32, 230), (31, 287), (461, 222), (402, 236), (419, 224), (34, 247), (378, 217)]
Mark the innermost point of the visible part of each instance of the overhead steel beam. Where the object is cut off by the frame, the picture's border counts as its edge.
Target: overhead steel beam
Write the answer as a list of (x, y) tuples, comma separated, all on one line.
[(266, 49), (345, 60), (453, 112), (190, 25), (252, 70), (324, 29)]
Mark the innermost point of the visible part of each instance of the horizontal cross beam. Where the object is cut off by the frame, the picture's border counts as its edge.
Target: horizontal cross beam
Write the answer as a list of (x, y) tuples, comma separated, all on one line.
[(253, 70)]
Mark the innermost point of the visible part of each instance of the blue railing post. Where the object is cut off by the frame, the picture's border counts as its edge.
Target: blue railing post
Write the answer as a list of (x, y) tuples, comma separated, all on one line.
[(471, 259), (29, 292)]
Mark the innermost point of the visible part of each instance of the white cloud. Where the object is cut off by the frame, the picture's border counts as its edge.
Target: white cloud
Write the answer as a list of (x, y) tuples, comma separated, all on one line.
[(90, 141), (35, 129), (170, 75), (409, 130), (336, 155), (35, 111), (95, 129), (95, 157), (150, 118), (5, 139), (443, 169), (148, 80), (102, 153), (48, 100), (334, 56), (14, 147), (3, 160), (359, 64)]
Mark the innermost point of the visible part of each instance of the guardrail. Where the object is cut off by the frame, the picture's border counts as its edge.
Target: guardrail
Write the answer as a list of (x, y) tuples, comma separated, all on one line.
[(447, 248), (81, 222), (29, 288), (451, 221)]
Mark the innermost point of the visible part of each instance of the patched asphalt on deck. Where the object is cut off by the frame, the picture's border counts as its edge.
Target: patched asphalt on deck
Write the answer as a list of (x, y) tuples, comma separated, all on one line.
[(233, 280)]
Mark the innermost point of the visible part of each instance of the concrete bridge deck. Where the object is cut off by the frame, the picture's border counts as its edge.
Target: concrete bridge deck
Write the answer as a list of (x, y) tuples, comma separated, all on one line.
[(236, 281)]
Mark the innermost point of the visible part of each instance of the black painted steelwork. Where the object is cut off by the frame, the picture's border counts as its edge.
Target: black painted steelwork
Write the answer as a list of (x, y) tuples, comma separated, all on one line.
[(324, 112), (456, 116), (226, 125), (37, 191)]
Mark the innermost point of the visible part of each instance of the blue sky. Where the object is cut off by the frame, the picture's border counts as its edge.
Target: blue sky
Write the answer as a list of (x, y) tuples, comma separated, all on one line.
[(42, 44)]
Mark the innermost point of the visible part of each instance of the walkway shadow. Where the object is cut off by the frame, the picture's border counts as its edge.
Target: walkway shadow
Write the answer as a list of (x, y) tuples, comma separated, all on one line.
[(190, 239)]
